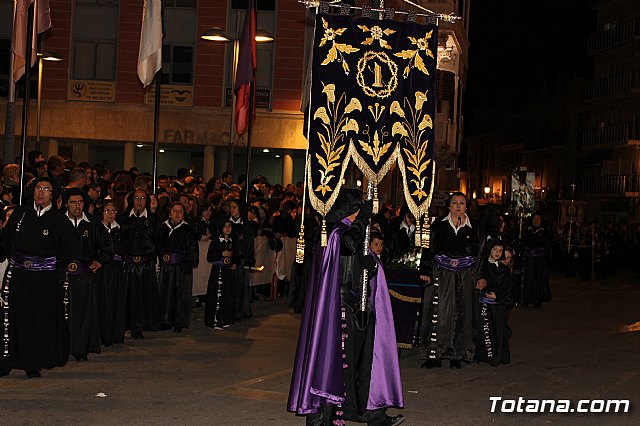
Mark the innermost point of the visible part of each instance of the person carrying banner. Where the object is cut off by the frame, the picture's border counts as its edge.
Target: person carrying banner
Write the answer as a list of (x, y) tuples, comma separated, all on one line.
[(346, 364)]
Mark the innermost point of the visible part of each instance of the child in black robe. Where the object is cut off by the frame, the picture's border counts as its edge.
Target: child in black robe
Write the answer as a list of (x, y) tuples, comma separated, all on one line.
[(219, 309), (492, 339)]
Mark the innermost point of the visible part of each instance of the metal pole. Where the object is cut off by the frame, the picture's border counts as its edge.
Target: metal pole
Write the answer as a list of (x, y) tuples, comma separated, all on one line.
[(40, 66), (249, 129), (10, 117), (25, 104), (365, 273), (232, 128), (156, 123)]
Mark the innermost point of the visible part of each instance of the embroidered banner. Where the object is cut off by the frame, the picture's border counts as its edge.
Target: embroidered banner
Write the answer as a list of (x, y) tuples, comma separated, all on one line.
[(373, 103)]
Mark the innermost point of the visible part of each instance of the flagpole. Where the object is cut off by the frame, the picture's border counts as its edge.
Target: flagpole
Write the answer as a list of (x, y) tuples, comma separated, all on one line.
[(249, 129), (10, 117), (156, 124), (25, 103)]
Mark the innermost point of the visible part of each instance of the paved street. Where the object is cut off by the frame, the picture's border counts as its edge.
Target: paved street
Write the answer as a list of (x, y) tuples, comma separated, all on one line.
[(578, 347)]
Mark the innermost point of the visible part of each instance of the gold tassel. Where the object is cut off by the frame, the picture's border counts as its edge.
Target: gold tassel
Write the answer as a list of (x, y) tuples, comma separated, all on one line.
[(426, 232), (418, 234), (323, 233), (300, 245), (376, 201)]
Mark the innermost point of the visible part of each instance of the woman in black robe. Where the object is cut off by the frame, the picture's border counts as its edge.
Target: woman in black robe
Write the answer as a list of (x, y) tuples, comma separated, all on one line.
[(179, 254), (219, 309), (110, 284)]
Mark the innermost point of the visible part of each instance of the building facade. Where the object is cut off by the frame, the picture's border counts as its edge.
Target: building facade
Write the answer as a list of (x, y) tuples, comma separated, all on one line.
[(93, 107)]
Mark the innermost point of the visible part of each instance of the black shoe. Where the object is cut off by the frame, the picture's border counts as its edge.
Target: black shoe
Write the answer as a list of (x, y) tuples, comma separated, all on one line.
[(137, 335), (392, 421), (432, 363), (177, 329), (455, 364), (32, 373), (5, 372)]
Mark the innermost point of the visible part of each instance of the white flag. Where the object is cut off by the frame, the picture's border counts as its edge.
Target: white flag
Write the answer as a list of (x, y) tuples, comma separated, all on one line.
[(150, 53), (41, 23)]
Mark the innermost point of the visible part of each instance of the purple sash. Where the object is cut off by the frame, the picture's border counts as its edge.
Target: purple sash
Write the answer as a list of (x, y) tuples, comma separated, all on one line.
[(173, 258), (487, 301), (33, 263), (79, 267), (137, 258), (455, 264)]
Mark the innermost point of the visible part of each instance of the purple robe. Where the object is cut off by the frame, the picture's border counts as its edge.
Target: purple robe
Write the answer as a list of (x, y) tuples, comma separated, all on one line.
[(317, 374)]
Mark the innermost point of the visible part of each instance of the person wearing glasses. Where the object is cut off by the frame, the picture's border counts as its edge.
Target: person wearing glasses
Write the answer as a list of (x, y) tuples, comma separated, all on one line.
[(39, 242), (110, 284), (140, 231)]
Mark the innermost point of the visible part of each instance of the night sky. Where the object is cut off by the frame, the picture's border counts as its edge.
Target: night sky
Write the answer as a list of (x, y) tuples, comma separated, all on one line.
[(522, 50)]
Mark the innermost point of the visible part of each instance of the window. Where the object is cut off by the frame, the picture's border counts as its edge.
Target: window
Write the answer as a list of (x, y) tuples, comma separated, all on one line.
[(178, 50), (264, 51), (95, 40), (177, 64)]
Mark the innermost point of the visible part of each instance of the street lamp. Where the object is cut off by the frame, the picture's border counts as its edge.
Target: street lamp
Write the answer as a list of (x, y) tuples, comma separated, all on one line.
[(487, 190), (218, 35), (43, 56)]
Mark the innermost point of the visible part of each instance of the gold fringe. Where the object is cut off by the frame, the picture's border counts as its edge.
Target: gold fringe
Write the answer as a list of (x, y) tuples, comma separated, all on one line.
[(376, 201), (300, 245), (405, 345), (405, 298), (323, 234)]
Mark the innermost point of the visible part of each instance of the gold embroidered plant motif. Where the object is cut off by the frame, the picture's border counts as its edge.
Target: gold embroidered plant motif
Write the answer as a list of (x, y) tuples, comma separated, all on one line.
[(337, 49), (376, 35), (412, 129), (376, 151), (415, 59), (336, 124)]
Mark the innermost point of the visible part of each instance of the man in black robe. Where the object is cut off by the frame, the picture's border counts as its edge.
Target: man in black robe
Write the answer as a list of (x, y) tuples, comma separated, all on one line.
[(140, 230), (449, 271), (95, 250), (39, 242), (537, 254)]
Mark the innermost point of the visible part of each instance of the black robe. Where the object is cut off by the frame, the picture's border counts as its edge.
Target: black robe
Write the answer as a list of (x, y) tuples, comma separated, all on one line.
[(219, 309), (536, 256), (94, 243), (38, 335), (492, 339), (448, 302), (139, 236), (243, 235), (179, 254), (111, 291)]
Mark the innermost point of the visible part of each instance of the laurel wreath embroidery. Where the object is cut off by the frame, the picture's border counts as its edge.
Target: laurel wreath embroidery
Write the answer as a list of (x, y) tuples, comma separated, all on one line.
[(412, 130), (337, 49), (415, 60), (336, 124)]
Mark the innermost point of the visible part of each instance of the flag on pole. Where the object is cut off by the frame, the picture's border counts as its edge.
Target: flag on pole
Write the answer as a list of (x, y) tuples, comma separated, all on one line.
[(150, 53), (41, 23), (246, 70)]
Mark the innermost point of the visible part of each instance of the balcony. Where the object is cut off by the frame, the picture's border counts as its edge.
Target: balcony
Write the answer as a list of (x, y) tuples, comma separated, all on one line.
[(622, 33), (620, 186), (609, 136), (616, 84)]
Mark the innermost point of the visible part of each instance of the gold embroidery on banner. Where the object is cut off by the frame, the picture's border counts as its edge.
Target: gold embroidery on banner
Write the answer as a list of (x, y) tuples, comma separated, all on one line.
[(336, 126), (376, 35), (336, 49), (377, 63), (412, 134), (415, 60)]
